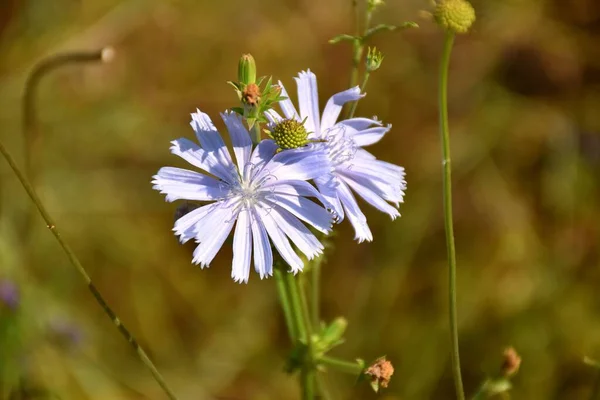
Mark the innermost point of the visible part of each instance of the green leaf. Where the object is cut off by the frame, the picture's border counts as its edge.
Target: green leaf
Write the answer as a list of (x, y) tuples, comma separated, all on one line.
[(238, 110), (343, 37), (389, 28)]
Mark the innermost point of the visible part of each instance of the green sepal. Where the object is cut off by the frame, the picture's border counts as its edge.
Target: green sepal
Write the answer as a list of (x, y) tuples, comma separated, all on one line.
[(238, 110), (297, 357)]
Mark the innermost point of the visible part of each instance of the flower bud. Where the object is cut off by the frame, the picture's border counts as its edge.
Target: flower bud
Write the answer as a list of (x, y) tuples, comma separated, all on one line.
[(247, 70), (455, 16), (511, 362), (334, 332), (374, 59)]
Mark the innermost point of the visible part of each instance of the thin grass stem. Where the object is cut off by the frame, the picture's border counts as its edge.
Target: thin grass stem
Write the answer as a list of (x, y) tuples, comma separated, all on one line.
[(447, 200)]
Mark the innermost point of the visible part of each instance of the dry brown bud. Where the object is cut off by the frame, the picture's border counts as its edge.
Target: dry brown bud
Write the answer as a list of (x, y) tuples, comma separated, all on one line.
[(251, 94), (511, 363), (381, 372)]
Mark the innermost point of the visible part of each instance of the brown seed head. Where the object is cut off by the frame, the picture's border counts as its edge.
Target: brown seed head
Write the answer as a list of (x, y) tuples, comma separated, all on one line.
[(381, 372), (511, 363), (251, 94)]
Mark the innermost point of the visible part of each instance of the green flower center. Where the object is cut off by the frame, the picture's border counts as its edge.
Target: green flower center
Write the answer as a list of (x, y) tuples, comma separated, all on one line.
[(289, 134)]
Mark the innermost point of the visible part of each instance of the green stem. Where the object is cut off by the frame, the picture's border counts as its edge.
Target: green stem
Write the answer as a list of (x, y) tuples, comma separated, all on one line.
[(448, 225), (348, 367), (255, 133), (315, 291), (75, 262), (296, 304), (362, 89), (308, 379), (283, 292)]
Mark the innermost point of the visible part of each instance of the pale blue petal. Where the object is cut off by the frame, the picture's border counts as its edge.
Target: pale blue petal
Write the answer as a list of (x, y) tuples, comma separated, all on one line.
[(327, 185), (304, 209), (226, 211), (334, 106), (370, 136), (354, 214), (186, 226), (263, 255), (240, 138), (280, 241), (179, 183), (262, 154), (391, 190), (378, 170), (301, 164), (273, 117), (359, 124), (364, 154), (296, 188), (308, 98), (297, 232), (287, 106), (218, 229), (242, 248), (202, 159), (210, 139), (371, 197)]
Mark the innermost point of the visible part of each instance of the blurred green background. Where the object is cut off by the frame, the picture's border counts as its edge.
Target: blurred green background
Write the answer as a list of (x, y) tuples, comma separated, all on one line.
[(525, 127)]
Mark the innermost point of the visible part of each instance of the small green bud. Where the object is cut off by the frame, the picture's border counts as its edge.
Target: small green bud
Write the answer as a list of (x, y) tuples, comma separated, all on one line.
[(374, 59), (289, 134), (247, 69), (334, 332), (373, 4), (454, 15)]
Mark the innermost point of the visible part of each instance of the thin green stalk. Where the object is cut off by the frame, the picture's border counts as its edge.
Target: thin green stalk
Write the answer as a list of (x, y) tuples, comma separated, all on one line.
[(299, 309), (41, 69), (448, 225), (302, 288), (362, 89), (341, 365), (285, 303), (75, 262), (308, 377), (357, 47), (315, 290), (296, 304)]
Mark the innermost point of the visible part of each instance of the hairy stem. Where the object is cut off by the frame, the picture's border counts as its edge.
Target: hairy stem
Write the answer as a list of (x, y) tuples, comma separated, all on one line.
[(448, 224), (92, 288)]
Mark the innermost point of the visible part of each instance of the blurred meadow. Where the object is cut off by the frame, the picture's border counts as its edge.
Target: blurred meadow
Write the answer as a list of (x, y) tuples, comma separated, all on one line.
[(524, 99)]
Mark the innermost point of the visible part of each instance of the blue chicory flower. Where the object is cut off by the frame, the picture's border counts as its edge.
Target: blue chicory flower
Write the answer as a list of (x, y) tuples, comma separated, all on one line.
[(265, 192), (377, 182)]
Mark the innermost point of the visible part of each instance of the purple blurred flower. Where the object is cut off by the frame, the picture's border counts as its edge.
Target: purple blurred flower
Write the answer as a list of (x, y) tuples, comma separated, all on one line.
[(9, 294)]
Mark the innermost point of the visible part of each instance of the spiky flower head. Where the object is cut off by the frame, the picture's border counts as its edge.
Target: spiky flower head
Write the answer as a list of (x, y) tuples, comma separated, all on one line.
[(374, 59), (289, 134), (454, 15)]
